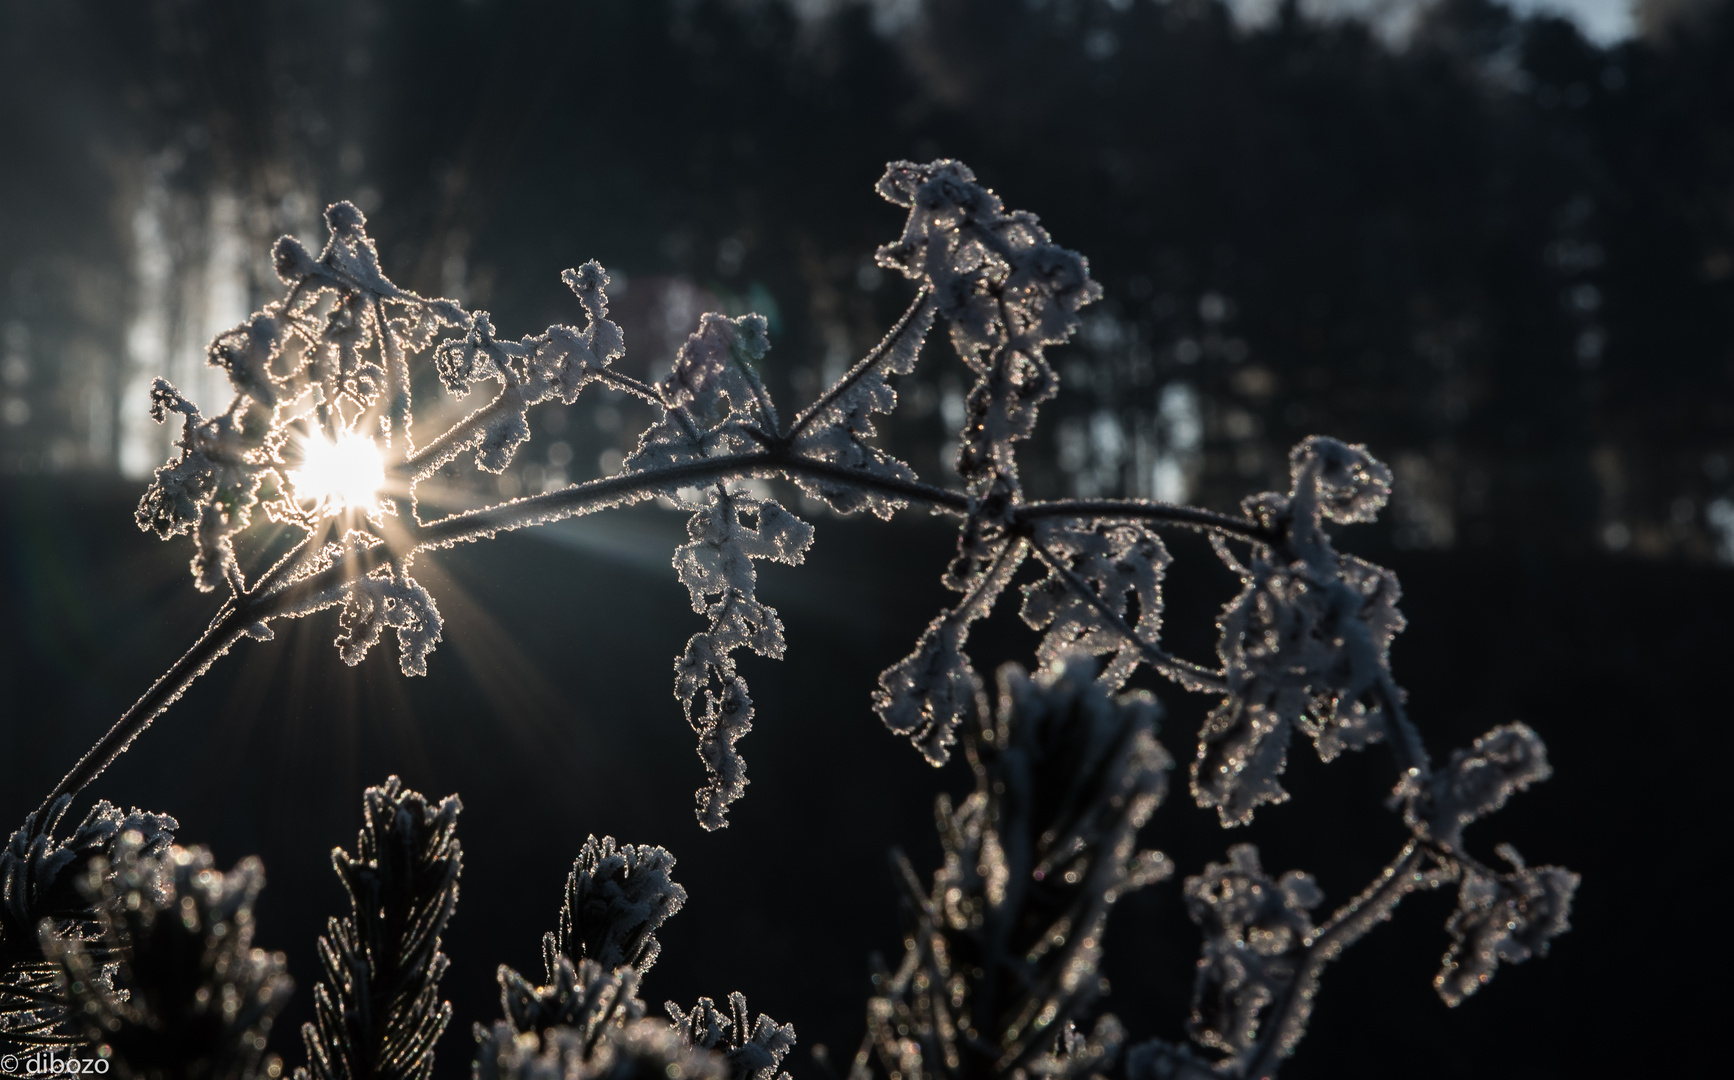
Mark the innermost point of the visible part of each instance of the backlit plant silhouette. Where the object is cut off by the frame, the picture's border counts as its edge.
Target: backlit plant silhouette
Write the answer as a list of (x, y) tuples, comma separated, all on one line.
[(114, 936)]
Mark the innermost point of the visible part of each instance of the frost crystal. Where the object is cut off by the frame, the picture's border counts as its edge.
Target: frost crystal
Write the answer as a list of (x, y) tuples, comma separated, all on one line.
[(383, 599), (728, 530), (1478, 781), (935, 689), (712, 396), (842, 420), (1006, 290)]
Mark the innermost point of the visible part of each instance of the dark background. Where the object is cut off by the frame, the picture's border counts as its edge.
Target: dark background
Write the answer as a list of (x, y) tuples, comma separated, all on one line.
[(1497, 253)]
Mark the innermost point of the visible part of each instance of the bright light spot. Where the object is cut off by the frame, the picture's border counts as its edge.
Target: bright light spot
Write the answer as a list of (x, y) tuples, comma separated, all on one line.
[(347, 473)]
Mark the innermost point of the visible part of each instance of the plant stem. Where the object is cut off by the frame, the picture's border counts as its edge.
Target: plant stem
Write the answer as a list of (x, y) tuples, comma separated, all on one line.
[(224, 631), (274, 596)]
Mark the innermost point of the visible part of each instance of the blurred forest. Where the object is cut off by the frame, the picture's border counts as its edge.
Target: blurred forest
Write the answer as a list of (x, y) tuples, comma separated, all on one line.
[(1500, 254)]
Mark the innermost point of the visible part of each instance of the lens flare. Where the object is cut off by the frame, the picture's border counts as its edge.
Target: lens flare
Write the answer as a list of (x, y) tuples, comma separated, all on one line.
[(346, 474)]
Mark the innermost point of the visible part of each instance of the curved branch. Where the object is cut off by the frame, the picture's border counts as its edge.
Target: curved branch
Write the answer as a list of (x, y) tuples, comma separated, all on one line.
[(1145, 510), (224, 631), (841, 386), (450, 443), (1346, 925), (276, 593)]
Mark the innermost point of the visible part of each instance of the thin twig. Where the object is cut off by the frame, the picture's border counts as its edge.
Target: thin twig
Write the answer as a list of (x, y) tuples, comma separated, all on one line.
[(217, 639), (1162, 513), (838, 388), (1189, 675)]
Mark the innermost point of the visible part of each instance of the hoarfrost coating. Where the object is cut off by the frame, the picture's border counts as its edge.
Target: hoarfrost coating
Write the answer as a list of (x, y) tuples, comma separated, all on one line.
[(1000, 974)]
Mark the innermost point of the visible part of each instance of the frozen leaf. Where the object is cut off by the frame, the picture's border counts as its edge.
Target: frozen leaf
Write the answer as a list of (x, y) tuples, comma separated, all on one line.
[(209, 491), (1007, 292), (711, 374), (835, 430), (567, 358), (711, 397), (1120, 561), (1255, 935), (1478, 781), (1306, 643), (477, 355), (246, 353), (385, 599), (1343, 481), (1505, 917), (927, 694), (728, 530)]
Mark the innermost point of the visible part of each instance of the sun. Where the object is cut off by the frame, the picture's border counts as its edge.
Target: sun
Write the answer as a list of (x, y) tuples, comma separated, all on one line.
[(343, 475)]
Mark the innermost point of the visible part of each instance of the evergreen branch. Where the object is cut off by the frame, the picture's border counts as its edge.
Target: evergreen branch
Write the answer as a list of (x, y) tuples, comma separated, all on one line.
[(378, 1010)]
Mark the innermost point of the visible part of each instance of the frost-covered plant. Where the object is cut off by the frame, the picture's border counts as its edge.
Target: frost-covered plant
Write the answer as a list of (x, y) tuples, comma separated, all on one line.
[(187, 995), (1000, 974)]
